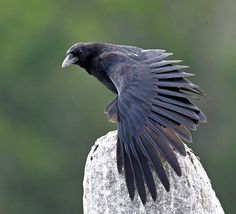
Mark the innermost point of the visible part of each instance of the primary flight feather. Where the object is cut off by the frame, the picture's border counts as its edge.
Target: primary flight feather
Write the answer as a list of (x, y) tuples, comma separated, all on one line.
[(152, 107)]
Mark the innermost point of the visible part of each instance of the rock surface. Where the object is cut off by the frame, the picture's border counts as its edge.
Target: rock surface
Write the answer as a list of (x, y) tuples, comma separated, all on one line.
[(105, 190)]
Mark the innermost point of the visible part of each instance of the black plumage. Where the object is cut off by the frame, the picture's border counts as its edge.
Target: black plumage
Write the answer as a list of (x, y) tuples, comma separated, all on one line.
[(152, 108)]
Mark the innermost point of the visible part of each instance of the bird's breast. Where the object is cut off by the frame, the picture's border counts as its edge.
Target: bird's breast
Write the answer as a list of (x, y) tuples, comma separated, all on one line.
[(101, 76)]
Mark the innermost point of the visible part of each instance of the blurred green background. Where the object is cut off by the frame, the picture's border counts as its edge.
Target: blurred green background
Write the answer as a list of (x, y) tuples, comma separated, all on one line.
[(50, 118)]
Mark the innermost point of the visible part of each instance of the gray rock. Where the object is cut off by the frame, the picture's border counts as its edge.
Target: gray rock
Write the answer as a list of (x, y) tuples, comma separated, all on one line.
[(105, 190)]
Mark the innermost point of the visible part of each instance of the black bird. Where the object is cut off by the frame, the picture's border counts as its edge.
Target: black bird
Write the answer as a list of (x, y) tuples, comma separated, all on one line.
[(152, 108)]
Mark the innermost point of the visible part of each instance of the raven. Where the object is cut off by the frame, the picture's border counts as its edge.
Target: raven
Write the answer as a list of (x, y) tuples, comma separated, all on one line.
[(152, 107)]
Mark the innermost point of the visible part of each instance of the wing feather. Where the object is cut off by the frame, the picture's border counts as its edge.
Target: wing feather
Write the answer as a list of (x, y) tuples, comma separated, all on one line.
[(154, 116)]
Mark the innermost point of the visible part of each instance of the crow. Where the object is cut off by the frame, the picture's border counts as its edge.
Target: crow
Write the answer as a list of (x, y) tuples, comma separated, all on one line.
[(152, 107)]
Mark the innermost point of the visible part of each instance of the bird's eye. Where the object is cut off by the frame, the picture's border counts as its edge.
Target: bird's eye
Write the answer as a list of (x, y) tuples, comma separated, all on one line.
[(72, 52)]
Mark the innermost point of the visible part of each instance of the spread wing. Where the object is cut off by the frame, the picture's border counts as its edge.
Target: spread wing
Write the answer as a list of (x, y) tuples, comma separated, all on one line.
[(154, 115)]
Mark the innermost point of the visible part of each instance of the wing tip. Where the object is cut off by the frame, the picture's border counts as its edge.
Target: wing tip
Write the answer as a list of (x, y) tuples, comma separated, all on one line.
[(202, 117), (166, 186)]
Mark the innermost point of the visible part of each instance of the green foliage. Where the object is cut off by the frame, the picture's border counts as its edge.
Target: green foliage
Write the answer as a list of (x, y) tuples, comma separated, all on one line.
[(49, 118)]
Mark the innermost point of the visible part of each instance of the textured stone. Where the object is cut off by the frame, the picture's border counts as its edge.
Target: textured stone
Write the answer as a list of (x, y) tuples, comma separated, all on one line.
[(105, 190)]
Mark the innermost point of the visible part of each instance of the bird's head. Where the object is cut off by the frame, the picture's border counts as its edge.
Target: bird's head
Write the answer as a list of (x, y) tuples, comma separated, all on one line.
[(80, 54)]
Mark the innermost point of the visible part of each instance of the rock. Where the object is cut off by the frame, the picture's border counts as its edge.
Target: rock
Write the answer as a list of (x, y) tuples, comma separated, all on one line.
[(105, 190)]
